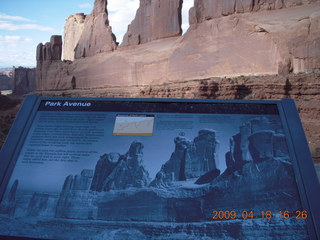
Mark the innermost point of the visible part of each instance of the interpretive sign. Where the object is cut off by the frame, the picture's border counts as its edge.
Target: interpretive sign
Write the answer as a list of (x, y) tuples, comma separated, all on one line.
[(157, 169)]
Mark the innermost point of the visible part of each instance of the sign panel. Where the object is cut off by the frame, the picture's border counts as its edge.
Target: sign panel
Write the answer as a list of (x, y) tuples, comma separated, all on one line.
[(157, 169)]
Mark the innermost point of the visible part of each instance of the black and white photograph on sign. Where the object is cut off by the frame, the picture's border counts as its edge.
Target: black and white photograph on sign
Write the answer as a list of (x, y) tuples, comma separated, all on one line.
[(104, 175)]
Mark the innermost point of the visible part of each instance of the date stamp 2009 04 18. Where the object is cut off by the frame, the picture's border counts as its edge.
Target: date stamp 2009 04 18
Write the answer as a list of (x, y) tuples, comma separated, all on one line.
[(285, 214)]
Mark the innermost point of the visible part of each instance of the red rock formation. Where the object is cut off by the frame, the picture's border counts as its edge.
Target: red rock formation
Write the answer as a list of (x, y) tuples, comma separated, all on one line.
[(51, 72), (251, 43), (73, 29), (51, 50), (155, 19), (97, 35), (209, 9), (24, 80)]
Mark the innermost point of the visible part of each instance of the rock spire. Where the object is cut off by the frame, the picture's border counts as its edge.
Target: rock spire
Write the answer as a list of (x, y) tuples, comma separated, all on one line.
[(97, 35)]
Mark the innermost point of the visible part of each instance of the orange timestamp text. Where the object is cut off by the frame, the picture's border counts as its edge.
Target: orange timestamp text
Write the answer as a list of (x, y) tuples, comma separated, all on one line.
[(268, 214)]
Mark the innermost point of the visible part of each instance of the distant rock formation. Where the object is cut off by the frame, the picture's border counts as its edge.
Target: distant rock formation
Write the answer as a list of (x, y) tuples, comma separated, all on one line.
[(190, 159), (265, 182), (113, 172), (8, 204), (56, 74), (6, 80), (129, 171), (51, 50), (24, 80), (277, 37), (73, 30), (72, 202), (78, 182), (154, 20), (203, 154), (104, 168), (208, 9), (97, 35), (41, 204), (258, 140)]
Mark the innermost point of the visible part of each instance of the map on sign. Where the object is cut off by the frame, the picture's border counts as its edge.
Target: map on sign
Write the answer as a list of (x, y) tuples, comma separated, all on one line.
[(133, 125)]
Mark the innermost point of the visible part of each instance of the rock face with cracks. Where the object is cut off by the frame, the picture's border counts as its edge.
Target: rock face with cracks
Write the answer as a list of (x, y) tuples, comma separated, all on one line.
[(225, 38), (73, 30), (191, 159), (97, 35), (154, 20)]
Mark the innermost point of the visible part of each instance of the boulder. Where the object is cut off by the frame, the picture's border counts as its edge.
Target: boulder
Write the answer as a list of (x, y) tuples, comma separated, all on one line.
[(208, 177)]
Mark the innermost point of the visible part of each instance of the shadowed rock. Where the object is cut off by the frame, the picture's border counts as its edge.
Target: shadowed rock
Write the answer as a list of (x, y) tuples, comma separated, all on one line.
[(13, 191), (51, 50), (208, 177), (201, 156), (24, 80), (41, 204), (104, 167), (261, 145), (189, 160), (280, 149), (73, 200)]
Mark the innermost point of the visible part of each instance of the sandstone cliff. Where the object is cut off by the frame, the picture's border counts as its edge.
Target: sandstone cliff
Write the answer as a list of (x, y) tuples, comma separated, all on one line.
[(97, 35), (154, 20), (73, 29), (24, 80), (225, 38)]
